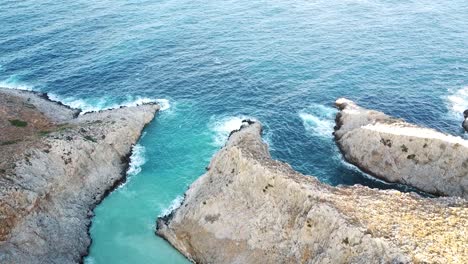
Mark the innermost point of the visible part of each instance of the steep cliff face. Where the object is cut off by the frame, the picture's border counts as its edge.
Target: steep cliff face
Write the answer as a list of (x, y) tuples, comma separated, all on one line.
[(396, 151), (249, 208), (465, 122), (54, 167)]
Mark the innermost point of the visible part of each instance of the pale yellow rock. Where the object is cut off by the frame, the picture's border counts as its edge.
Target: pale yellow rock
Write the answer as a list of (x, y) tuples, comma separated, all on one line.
[(249, 208)]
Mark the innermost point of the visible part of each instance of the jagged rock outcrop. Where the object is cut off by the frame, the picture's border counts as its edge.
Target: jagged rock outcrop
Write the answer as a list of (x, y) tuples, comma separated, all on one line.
[(55, 166), (397, 151), (249, 208), (465, 122)]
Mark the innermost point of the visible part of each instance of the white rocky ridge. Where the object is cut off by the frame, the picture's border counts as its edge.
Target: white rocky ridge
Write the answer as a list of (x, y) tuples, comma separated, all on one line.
[(55, 166), (249, 208), (396, 151)]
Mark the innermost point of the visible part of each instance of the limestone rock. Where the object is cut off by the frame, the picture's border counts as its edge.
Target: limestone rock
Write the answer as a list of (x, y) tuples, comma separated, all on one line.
[(249, 208), (55, 167), (396, 151)]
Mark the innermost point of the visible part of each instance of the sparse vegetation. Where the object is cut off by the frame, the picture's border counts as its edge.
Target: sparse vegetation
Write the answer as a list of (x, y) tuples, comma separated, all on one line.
[(44, 132), (30, 106), (18, 123), (10, 142), (90, 138), (404, 148)]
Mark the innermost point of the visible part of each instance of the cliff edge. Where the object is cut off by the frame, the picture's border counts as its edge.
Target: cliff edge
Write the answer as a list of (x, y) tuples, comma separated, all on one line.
[(55, 166), (249, 208), (396, 151)]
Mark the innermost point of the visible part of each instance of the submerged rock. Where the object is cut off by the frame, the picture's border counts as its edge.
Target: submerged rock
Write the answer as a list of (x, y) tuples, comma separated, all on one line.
[(249, 208), (397, 151), (55, 166)]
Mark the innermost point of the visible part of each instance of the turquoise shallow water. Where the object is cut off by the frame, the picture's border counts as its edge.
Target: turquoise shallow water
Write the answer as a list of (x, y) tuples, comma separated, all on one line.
[(215, 62)]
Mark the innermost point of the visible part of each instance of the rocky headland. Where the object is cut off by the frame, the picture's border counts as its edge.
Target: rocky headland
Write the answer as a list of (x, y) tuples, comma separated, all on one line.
[(396, 151), (249, 208), (55, 166)]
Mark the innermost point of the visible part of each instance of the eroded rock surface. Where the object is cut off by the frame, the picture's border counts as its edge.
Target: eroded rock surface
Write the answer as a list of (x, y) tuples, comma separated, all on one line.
[(397, 151), (54, 167), (249, 208)]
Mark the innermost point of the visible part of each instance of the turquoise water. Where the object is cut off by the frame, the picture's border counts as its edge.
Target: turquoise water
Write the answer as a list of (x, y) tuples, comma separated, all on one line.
[(211, 63)]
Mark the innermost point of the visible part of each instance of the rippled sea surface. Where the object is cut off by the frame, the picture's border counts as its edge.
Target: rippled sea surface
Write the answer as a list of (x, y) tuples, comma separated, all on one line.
[(216, 62)]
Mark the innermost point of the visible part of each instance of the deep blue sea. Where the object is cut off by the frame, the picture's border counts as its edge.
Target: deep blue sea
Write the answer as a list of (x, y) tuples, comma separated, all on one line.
[(212, 63)]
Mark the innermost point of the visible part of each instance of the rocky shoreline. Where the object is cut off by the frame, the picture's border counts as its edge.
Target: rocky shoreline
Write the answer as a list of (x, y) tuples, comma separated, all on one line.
[(249, 208), (396, 151), (55, 167)]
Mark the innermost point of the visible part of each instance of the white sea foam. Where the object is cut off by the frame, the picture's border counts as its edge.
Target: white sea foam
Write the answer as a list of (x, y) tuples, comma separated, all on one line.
[(176, 203), (92, 105), (137, 159), (89, 260), (224, 126), (13, 82), (319, 120), (458, 101)]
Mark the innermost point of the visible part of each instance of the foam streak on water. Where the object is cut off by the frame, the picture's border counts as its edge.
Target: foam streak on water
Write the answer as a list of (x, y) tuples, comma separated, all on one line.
[(176, 203), (223, 126), (318, 120), (137, 159), (13, 82), (458, 101), (93, 105)]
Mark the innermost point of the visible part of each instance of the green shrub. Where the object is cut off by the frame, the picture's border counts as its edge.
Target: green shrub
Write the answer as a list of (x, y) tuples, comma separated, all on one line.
[(4, 143), (90, 138), (18, 123)]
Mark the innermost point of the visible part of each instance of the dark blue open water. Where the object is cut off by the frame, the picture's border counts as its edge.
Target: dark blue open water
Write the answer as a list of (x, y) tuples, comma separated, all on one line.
[(281, 62)]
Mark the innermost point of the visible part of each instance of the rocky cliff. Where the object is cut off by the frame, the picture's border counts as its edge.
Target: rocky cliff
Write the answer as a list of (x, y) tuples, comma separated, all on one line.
[(55, 166), (397, 151), (249, 208)]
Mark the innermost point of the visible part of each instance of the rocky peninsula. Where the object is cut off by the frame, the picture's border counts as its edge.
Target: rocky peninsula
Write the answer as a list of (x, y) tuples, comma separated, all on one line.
[(396, 151), (249, 208), (55, 166)]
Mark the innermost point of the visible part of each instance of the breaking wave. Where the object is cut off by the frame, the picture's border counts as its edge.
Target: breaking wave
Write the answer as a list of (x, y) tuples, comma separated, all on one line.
[(458, 101), (319, 120), (176, 203), (137, 159), (224, 126), (93, 105)]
